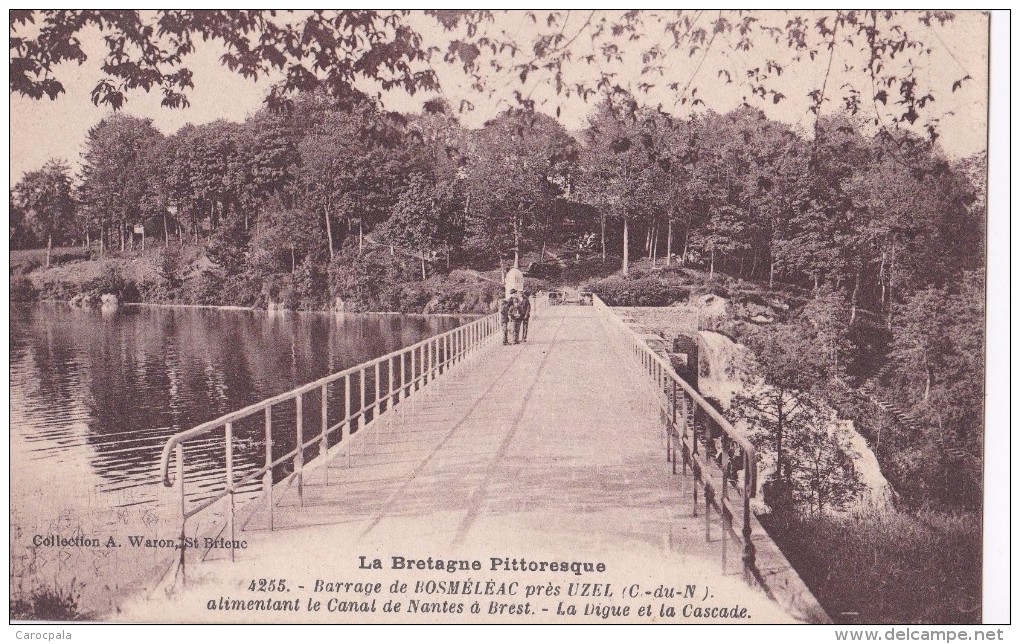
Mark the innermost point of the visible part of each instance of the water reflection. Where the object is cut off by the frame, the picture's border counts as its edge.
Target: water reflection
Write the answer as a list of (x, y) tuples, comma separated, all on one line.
[(108, 391)]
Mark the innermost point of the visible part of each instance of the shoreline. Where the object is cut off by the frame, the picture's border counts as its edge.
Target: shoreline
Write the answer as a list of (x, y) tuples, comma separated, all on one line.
[(250, 309), (229, 307)]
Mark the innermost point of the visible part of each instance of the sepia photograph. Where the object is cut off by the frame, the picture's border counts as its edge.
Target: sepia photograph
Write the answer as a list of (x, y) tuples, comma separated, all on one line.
[(585, 316)]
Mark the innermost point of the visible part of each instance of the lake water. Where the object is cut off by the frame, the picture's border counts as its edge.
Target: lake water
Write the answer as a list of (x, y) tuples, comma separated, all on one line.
[(94, 397)]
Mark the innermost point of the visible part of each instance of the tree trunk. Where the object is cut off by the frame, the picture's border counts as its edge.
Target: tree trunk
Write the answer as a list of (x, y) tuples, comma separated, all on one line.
[(779, 436), (772, 272), (329, 232), (655, 245), (517, 242), (711, 262), (423, 276), (166, 233), (602, 221), (892, 274), (626, 243), (853, 296), (687, 242), (293, 260), (361, 236), (818, 487), (669, 242), (881, 281), (49, 249), (123, 227)]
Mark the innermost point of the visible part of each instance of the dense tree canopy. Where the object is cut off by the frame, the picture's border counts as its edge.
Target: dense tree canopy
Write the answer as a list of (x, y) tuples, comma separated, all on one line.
[(548, 56), (324, 188), (43, 203)]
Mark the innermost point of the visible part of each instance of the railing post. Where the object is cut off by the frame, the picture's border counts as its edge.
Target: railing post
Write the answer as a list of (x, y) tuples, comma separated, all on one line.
[(696, 472), (348, 417), (347, 408), (746, 531), (724, 526), (389, 372), (426, 362), (299, 458), (362, 392), (324, 445), (183, 507), (414, 371), (403, 376), (433, 356), (267, 477), (378, 390), (709, 496), (229, 432), (669, 435)]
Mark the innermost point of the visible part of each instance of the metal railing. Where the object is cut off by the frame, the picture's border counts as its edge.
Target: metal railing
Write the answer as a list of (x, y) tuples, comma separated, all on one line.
[(364, 399), (723, 463)]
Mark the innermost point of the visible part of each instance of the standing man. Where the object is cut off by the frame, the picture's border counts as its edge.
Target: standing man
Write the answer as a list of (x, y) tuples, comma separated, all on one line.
[(504, 315), (525, 305), (516, 314)]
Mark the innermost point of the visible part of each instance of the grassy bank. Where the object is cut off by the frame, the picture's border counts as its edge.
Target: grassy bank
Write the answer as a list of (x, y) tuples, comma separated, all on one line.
[(887, 567), (48, 604)]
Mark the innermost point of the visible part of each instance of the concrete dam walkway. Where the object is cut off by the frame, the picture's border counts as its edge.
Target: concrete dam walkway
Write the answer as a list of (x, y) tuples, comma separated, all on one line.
[(546, 451)]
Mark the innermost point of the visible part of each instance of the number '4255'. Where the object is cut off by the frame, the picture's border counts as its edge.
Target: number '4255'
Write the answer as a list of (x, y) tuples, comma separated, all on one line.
[(268, 585)]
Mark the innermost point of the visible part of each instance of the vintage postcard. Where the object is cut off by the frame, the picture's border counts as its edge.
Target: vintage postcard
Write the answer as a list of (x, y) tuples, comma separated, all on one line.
[(478, 316)]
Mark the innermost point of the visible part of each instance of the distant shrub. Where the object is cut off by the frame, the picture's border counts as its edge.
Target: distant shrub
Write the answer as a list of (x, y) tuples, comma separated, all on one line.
[(206, 289), (244, 289), (26, 265), (587, 269), (718, 290), (460, 292), (371, 281), (171, 266), (22, 290), (679, 270), (156, 292), (639, 290), (112, 281), (68, 255)]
